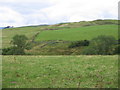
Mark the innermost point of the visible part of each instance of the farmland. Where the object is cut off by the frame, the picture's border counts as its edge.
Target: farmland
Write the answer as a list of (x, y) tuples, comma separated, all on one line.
[(7, 34), (60, 71), (80, 33), (50, 63), (66, 31)]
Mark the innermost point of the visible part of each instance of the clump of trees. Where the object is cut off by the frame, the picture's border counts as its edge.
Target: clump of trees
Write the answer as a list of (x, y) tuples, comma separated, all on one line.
[(101, 45), (19, 44), (79, 43), (117, 49)]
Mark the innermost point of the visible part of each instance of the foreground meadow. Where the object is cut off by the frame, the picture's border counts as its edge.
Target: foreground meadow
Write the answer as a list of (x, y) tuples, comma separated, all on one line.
[(60, 71)]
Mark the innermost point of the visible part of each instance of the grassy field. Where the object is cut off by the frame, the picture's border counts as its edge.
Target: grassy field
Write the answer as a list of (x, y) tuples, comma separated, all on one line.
[(64, 31), (60, 71), (80, 33), (7, 34)]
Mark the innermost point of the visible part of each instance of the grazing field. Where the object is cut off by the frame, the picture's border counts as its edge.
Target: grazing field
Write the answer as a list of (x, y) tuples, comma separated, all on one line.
[(7, 34), (65, 31), (60, 71), (80, 33)]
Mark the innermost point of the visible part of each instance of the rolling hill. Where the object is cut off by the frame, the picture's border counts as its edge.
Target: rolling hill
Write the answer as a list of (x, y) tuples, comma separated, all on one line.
[(67, 67), (80, 33), (63, 31)]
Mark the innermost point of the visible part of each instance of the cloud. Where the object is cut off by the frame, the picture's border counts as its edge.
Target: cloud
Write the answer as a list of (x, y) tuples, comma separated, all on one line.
[(77, 10), (22, 1), (35, 12), (10, 17)]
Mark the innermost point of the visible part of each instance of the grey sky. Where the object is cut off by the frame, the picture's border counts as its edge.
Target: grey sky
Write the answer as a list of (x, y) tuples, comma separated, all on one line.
[(36, 12)]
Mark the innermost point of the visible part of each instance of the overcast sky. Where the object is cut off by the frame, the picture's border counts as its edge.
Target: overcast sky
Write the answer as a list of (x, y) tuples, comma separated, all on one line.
[(36, 12)]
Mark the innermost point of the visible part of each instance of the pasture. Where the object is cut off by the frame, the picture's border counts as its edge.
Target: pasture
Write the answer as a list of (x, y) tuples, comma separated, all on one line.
[(7, 34), (66, 31), (60, 71), (81, 33)]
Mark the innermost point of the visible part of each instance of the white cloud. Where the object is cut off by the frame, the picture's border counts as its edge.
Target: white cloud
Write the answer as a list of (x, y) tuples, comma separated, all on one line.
[(10, 17), (23, 1), (58, 11), (77, 10)]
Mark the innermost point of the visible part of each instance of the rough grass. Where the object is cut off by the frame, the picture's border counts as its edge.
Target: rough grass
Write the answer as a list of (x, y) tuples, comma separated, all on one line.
[(7, 34), (80, 33), (74, 33), (60, 71)]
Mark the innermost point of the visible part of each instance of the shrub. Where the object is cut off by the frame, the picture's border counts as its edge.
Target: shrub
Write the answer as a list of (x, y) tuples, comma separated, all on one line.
[(79, 43), (13, 51), (19, 41), (6, 51), (117, 49), (19, 45), (102, 45), (118, 41)]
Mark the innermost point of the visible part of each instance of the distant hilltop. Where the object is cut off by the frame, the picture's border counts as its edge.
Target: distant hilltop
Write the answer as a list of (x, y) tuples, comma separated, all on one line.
[(6, 27)]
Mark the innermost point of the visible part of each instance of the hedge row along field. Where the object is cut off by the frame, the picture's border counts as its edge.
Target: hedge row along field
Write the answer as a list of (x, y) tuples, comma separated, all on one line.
[(60, 71)]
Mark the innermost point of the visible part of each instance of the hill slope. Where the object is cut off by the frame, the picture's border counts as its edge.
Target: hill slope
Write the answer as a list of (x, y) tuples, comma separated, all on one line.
[(63, 31), (80, 33)]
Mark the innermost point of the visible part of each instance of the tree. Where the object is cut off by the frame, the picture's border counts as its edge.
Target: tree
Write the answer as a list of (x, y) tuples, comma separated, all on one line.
[(101, 45), (79, 43), (19, 44), (117, 49)]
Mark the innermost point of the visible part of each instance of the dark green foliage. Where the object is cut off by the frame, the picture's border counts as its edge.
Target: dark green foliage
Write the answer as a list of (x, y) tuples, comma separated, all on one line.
[(6, 51), (118, 41), (19, 41), (19, 45), (102, 45), (79, 43), (29, 45), (117, 49), (13, 51), (103, 22)]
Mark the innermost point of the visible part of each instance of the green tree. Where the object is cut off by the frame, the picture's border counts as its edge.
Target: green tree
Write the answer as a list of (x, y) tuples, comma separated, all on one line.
[(101, 45), (19, 44)]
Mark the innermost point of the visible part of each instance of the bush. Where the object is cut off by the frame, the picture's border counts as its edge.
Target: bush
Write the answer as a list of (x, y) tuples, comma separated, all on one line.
[(19, 45), (19, 41), (6, 51), (117, 49), (102, 45), (118, 41), (79, 43), (13, 51)]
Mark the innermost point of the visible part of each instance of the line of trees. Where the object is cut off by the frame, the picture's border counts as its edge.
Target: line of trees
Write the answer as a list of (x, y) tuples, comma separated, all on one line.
[(101, 45)]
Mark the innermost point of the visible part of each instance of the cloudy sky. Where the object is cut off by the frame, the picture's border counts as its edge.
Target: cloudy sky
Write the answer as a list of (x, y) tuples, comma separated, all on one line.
[(36, 12)]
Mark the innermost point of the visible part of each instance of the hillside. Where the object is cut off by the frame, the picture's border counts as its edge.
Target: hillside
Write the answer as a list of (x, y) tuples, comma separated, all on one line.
[(67, 67), (55, 39), (76, 30), (79, 33)]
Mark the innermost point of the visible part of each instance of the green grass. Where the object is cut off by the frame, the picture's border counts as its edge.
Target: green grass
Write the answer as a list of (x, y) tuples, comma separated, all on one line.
[(60, 71), (7, 34), (80, 33), (67, 31), (55, 49)]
